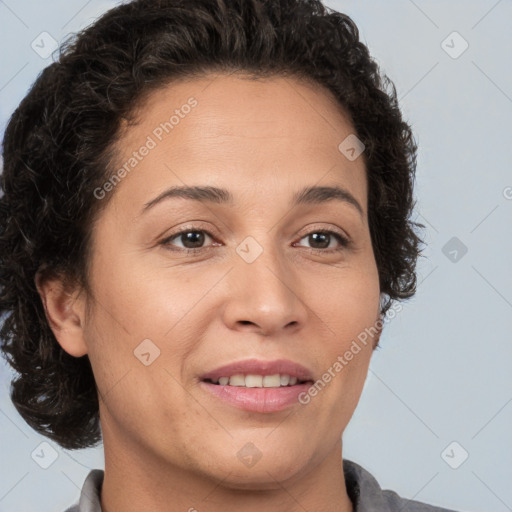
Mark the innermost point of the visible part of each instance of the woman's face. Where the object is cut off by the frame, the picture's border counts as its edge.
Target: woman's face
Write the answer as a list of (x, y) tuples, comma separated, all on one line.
[(250, 278)]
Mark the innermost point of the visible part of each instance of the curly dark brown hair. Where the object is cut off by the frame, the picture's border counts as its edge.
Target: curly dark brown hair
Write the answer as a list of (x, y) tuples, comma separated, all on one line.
[(59, 146)]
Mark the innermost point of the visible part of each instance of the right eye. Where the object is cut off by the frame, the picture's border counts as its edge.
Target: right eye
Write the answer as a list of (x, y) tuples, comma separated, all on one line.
[(191, 238)]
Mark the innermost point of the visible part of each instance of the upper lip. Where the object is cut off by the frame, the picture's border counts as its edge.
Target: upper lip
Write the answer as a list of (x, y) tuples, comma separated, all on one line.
[(259, 367)]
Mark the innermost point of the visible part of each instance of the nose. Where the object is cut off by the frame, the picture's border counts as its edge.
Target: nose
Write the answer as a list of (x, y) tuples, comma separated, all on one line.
[(265, 295)]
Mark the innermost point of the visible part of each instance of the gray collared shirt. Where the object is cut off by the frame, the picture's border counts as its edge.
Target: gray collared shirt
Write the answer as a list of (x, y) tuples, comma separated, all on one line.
[(362, 488)]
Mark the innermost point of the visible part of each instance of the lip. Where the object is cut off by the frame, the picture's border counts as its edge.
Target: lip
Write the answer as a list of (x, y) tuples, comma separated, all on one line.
[(262, 400), (259, 367)]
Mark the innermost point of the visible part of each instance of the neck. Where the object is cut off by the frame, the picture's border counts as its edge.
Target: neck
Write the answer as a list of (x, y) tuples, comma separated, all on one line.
[(137, 481)]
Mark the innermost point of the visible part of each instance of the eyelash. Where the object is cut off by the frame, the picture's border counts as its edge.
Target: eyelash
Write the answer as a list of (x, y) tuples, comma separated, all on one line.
[(344, 242)]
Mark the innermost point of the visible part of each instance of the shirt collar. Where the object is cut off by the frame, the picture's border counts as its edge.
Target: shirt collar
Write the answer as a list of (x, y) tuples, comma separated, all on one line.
[(362, 489), (91, 492)]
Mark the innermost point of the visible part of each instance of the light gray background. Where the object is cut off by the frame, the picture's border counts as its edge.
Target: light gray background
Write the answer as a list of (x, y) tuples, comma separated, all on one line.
[(443, 371)]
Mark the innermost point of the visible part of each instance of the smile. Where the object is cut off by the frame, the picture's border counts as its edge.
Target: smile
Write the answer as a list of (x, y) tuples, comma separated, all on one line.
[(258, 381)]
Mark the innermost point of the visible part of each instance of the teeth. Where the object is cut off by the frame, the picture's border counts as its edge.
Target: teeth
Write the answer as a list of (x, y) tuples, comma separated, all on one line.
[(257, 381), (271, 381), (253, 381), (236, 380)]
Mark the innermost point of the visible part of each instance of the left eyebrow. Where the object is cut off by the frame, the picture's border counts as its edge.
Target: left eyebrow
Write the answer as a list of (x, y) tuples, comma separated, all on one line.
[(307, 195), (318, 195)]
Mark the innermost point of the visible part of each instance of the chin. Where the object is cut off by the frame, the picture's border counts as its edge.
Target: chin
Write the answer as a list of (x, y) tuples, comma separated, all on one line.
[(252, 469), (268, 477)]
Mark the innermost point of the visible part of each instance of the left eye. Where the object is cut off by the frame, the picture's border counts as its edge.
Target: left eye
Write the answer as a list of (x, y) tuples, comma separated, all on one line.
[(324, 239)]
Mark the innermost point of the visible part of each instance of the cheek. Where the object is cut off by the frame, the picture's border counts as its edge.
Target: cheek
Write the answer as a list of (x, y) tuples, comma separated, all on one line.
[(144, 314), (348, 308), (347, 301), (141, 300), (137, 347)]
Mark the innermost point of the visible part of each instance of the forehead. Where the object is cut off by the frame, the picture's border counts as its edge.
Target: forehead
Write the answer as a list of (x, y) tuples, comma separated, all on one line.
[(231, 131), (262, 107)]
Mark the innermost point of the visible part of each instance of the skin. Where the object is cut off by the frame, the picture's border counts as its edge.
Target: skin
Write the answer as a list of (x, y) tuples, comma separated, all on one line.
[(168, 444)]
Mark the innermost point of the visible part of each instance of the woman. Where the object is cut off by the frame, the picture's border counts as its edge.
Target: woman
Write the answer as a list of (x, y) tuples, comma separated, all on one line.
[(205, 220)]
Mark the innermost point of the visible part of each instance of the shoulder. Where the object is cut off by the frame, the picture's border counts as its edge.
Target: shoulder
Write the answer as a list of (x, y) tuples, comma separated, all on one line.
[(367, 495)]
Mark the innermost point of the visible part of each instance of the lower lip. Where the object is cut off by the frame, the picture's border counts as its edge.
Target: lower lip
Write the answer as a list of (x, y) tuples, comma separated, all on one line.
[(257, 399)]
